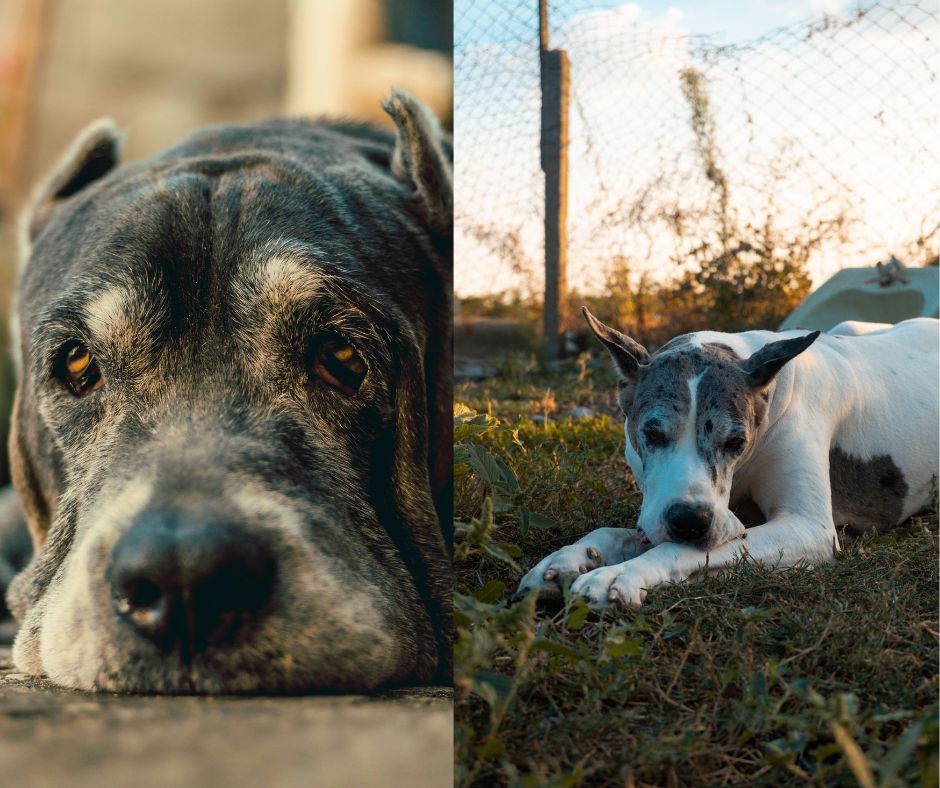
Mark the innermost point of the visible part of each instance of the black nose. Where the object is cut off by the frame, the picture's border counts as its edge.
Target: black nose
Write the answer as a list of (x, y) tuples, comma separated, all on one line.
[(688, 522), (189, 582)]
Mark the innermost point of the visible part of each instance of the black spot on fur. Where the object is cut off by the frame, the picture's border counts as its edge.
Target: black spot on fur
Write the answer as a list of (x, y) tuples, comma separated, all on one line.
[(866, 494)]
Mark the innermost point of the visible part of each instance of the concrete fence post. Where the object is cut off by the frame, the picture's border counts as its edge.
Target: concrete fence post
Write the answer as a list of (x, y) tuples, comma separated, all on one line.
[(554, 72)]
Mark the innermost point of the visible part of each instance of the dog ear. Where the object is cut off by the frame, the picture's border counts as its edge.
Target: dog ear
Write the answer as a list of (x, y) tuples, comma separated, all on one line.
[(92, 155), (408, 507), (626, 353), (32, 474), (423, 161), (762, 366), (423, 157)]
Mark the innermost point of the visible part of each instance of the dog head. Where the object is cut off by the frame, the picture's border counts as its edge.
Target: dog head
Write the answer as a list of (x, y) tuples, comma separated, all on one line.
[(692, 410), (231, 427)]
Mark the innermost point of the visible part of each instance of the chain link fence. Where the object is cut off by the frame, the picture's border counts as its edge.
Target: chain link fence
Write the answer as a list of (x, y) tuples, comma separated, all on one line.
[(817, 138)]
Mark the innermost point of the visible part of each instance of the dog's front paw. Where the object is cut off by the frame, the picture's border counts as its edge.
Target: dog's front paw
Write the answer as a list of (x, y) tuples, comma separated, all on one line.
[(548, 576), (621, 585)]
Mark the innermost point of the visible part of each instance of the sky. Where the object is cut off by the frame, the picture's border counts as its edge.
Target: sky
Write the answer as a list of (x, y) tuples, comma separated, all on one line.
[(810, 121), (729, 20)]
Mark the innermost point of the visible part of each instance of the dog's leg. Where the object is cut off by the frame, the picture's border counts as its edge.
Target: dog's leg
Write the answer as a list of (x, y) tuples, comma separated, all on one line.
[(784, 542), (601, 547)]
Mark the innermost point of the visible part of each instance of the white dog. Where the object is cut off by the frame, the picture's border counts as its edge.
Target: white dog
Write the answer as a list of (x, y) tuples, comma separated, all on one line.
[(824, 433)]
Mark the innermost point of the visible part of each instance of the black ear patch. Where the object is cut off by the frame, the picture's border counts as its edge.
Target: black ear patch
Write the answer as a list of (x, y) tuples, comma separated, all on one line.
[(626, 353), (93, 154), (423, 157), (762, 366)]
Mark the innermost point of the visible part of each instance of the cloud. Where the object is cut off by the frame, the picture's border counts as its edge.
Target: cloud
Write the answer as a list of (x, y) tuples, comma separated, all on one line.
[(826, 6)]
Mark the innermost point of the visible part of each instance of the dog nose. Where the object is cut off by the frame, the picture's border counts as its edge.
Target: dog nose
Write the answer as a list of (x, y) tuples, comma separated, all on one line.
[(189, 583), (688, 522)]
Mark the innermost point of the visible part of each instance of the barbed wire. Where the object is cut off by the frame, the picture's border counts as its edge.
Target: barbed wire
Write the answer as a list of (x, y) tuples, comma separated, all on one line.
[(823, 131)]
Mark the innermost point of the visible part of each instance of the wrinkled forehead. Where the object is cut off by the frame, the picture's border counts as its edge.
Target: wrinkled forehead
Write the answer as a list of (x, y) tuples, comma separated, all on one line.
[(194, 232), (683, 376), (180, 254), (266, 293)]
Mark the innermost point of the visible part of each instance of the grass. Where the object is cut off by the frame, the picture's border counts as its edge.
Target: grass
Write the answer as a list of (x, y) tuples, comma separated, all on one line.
[(821, 676)]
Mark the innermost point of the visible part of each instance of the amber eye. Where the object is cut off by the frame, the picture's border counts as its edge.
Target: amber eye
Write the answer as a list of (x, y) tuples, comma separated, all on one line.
[(655, 437), (335, 361), (78, 370)]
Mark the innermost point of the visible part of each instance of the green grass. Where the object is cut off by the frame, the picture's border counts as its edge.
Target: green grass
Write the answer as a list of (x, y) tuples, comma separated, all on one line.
[(748, 677)]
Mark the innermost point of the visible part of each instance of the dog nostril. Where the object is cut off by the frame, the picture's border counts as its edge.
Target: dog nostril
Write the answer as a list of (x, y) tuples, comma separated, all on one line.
[(189, 585), (137, 594), (141, 577), (144, 605), (140, 601)]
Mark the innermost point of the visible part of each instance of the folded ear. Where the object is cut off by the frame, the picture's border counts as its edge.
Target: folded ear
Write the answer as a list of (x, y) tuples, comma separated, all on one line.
[(32, 468), (762, 366), (423, 157), (34, 465), (626, 353), (93, 154)]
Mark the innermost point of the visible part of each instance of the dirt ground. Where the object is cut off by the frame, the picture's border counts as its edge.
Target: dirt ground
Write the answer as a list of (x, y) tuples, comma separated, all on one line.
[(53, 737)]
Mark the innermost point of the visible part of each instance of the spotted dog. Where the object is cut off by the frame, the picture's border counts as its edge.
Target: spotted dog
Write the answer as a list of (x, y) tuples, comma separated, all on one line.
[(231, 433), (805, 436)]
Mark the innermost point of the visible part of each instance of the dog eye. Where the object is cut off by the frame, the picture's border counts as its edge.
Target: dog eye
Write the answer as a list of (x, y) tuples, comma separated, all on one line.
[(335, 361), (734, 444), (655, 437), (78, 370)]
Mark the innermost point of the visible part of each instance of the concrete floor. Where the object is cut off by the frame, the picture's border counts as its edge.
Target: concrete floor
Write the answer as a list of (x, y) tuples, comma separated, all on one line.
[(52, 737)]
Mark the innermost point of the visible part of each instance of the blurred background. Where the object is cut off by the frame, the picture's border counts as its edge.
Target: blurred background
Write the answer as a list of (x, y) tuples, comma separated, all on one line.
[(164, 68), (715, 162)]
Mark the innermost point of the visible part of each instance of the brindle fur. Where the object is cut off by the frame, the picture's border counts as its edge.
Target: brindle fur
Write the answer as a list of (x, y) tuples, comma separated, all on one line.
[(197, 278), (725, 401)]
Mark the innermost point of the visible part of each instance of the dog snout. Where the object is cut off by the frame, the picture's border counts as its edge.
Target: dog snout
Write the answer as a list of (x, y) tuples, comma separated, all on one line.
[(688, 522), (189, 583)]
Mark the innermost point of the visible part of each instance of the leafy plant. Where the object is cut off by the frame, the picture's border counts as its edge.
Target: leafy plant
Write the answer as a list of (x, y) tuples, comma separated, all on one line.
[(504, 493)]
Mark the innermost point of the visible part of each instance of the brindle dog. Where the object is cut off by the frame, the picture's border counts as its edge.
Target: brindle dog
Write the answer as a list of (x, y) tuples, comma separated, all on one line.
[(232, 430)]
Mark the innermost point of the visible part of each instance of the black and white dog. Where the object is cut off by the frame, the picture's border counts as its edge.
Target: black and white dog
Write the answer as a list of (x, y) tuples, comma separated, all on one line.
[(232, 429), (824, 433)]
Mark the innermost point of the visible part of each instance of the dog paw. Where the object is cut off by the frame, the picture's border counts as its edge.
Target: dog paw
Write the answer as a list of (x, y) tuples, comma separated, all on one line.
[(618, 585), (548, 576)]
